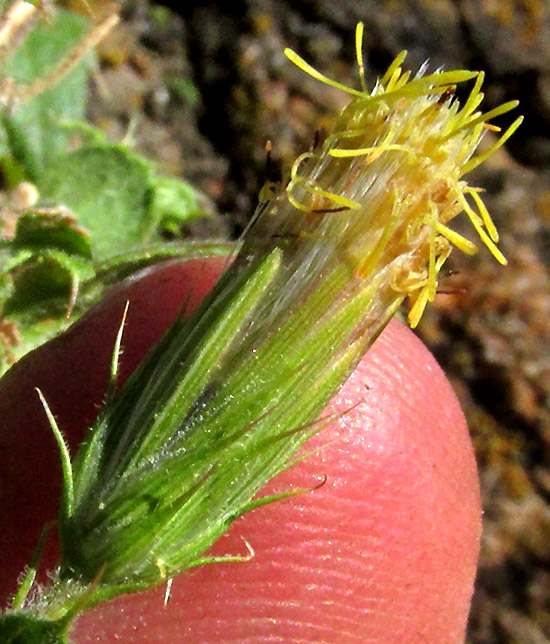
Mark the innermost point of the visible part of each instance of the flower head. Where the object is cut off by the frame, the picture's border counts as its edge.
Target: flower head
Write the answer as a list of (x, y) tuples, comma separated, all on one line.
[(391, 170), (226, 399)]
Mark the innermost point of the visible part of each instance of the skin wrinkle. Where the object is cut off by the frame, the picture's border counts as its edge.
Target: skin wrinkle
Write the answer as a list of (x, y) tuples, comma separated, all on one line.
[(303, 607), (317, 634)]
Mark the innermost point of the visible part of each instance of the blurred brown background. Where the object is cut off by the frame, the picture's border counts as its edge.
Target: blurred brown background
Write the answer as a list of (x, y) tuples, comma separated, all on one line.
[(202, 91)]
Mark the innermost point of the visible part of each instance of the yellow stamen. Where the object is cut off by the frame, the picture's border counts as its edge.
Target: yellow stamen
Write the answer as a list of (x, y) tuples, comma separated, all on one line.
[(423, 188), (308, 69), (310, 186), (497, 111), (475, 98), (398, 60), (359, 55), (417, 308), (485, 216), (463, 244), (473, 163), (374, 151), (476, 222), (432, 273)]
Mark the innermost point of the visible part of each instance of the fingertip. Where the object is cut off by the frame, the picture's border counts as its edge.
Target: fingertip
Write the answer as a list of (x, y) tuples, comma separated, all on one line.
[(384, 551)]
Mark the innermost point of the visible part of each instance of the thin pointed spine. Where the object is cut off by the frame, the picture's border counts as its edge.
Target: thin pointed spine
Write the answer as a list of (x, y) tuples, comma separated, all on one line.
[(117, 352), (67, 500), (29, 577)]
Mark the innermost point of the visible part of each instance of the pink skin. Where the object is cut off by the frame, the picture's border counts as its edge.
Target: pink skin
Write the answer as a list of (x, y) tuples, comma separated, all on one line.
[(384, 552)]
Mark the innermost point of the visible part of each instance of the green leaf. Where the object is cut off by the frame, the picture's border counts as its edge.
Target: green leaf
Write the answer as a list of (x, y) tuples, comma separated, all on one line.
[(60, 263), (36, 285), (57, 229), (116, 268), (27, 629), (176, 202), (12, 257), (109, 190), (32, 132), (47, 277)]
